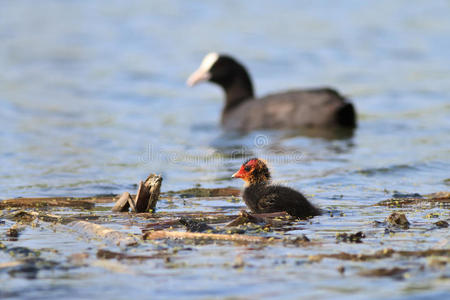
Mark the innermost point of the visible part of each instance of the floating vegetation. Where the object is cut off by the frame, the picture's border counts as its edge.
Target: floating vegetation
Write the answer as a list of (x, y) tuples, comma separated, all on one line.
[(441, 224), (47, 202), (434, 199), (381, 254), (234, 240), (195, 225), (350, 237), (398, 220), (384, 272), (202, 192)]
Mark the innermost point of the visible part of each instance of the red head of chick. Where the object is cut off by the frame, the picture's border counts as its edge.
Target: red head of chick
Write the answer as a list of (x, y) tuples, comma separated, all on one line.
[(263, 197), (253, 171)]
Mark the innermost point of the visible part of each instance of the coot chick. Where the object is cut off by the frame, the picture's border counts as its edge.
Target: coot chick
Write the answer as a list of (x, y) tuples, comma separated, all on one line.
[(310, 108), (263, 197)]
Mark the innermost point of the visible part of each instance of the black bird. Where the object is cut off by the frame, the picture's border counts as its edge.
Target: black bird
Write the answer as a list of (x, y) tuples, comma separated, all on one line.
[(311, 108), (263, 197)]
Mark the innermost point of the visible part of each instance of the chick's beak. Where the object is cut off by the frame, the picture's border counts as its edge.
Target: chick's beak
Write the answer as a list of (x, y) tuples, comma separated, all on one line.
[(236, 175), (198, 76), (239, 174)]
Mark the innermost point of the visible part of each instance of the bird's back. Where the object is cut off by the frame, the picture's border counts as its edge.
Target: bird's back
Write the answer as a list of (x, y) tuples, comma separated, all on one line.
[(291, 109), (274, 198)]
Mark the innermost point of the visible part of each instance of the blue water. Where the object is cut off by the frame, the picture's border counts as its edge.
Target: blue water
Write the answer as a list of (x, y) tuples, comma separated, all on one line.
[(93, 95)]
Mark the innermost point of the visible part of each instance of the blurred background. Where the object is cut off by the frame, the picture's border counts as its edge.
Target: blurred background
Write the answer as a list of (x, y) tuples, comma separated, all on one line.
[(93, 94)]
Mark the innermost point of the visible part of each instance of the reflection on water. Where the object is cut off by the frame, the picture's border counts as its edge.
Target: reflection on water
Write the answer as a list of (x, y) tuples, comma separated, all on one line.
[(92, 98)]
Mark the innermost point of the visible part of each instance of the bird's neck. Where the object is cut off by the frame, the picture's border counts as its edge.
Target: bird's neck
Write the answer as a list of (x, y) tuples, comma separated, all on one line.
[(255, 182), (240, 89)]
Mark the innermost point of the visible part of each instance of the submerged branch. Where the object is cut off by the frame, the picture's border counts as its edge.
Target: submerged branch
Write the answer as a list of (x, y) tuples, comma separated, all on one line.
[(162, 234), (99, 231), (385, 253)]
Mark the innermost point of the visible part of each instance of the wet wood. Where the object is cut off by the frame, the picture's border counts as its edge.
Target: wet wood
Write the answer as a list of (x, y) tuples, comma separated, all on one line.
[(131, 203), (142, 197), (46, 202), (178, 235), (148, 193), (123, 204), (99, 231), (153, 183)]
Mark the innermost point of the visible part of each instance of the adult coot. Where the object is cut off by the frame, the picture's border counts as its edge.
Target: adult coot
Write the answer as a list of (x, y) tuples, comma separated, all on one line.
[(263, 197), (311, 108)]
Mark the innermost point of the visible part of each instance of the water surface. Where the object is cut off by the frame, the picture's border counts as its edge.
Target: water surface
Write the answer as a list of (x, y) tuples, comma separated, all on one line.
[(93, 99)]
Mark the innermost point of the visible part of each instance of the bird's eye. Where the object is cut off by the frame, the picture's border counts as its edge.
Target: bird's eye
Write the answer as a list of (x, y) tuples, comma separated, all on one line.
[(247, 169)]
